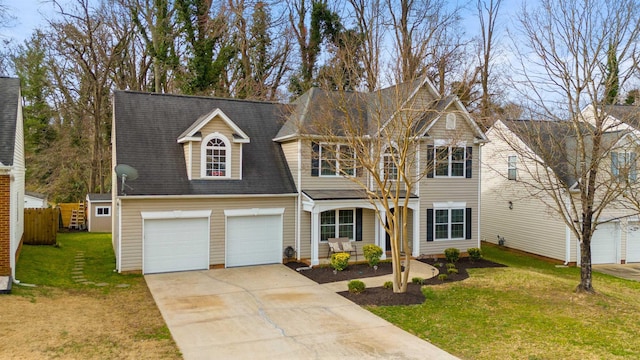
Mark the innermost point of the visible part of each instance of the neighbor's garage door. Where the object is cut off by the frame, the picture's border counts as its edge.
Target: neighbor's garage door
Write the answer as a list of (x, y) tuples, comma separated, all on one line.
[(633, 242), (254, 240), (176, 245), (604, 244)]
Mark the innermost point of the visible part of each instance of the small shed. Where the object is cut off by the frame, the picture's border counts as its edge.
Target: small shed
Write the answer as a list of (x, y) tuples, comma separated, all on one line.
[(34, 200), (99, 212)]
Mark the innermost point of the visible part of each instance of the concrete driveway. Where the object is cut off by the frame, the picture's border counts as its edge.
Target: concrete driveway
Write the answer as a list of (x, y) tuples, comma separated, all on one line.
[(625, 271), (272, 312)]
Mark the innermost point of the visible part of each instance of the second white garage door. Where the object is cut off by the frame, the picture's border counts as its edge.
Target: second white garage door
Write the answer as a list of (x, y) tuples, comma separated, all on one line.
[(633, 242), (604, 244), (254, 240)]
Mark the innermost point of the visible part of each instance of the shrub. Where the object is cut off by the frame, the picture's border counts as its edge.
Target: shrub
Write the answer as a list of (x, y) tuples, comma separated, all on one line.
[(438, 264), (442, 277), (339, 261), (388, 285), (452, 271), (474, 254), (452, 255), (451, 266), (417, 280), (356, 286), (372, 253)]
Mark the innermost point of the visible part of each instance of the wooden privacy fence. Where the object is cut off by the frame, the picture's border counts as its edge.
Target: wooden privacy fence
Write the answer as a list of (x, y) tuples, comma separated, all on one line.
[(41, 226)]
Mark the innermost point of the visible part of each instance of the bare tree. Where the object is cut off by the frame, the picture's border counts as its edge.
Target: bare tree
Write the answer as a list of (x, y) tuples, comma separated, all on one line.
[(368, 20), (563, 47), (488, 15)]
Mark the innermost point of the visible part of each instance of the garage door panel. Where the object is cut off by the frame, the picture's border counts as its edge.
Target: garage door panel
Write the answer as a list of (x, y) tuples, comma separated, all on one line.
[(176, 245), (633, 242), (254, 240), (604, 244)]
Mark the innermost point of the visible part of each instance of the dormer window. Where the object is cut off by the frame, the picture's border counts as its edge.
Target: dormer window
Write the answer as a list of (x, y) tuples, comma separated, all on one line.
[(216, 157)]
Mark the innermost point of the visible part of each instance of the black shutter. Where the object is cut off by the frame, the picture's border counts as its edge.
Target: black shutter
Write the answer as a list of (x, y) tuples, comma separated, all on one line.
[(315, 159), (468, 221), (468, 166), (430, 163), (429, 224), (359, 224)]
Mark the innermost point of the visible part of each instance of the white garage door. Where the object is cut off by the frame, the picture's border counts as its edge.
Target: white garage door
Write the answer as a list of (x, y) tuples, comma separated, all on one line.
[(176, 245), (254, 240), (633, 242), (604, 244)]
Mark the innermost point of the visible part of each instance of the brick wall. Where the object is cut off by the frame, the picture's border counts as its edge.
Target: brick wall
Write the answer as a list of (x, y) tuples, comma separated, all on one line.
[(5, 222)]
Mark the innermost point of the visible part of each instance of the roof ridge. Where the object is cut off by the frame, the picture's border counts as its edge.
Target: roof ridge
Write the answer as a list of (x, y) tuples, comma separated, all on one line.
[(202, 97)]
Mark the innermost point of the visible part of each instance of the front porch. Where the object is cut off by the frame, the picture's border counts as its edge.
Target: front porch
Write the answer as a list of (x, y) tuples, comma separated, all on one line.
[(347, 213)]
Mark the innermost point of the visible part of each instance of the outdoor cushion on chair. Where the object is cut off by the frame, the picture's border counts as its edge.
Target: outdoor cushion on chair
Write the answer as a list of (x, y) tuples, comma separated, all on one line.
[(334, 246), (347, 246)]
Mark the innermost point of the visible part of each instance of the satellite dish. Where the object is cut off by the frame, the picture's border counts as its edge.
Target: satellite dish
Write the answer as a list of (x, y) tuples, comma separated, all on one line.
[(126, 172)]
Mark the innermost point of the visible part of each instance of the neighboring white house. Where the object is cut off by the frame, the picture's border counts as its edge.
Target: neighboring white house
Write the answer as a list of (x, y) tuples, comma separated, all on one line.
[(98, 212), (12, 173), (34, 200), (517, 214)]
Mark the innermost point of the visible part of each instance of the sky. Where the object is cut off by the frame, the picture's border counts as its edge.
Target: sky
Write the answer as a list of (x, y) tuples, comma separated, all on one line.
[(29, 14)]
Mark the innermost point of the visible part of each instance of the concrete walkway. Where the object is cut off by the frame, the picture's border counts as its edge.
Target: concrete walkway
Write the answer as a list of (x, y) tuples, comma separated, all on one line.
[(416, 269), (271, 312), (625, 271)]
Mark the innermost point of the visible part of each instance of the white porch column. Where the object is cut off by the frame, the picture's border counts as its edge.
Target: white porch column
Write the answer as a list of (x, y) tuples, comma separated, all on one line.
[(315, 235), (416, 232), (381, 233)]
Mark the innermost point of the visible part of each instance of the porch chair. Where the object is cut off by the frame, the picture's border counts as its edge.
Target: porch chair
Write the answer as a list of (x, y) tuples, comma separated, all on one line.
[(338, 245)]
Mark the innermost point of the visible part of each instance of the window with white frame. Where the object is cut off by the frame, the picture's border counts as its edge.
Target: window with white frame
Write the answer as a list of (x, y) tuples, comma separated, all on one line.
[(337, 223), (512, 170), (449, 161), (103, 210), (389, 168), (449, 224), (216, 157), (337, 159), (624, 166)]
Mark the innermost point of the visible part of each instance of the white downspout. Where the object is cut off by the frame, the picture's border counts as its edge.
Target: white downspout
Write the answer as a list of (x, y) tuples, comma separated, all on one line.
[(299, 209)]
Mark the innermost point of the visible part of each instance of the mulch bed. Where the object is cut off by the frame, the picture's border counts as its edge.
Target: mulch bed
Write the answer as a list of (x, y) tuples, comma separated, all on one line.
[(380, 296)]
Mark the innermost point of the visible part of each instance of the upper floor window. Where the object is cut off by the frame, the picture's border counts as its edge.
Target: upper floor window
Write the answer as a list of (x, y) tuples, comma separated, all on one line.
[(216, 157), (337, 159), (389, 168), (512, 170), (449, 161), (623, 166)]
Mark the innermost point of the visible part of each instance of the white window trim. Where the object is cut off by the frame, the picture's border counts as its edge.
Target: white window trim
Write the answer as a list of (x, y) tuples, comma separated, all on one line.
[(337, 170), (450, 121), (103, 207), (382, 164), (514, 167), (449, 159), (203, 156), (337, 224), (450, 206)]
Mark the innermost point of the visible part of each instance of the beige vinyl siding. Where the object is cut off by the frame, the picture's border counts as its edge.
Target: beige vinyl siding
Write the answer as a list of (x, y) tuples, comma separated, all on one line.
[(290, 150), (530, 226), (305, 235), (131, 242), (323, 182), (219, 126), (99, 223), (188, 159)]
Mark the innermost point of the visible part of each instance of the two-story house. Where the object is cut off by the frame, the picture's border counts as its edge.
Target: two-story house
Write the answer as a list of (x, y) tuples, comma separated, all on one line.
[(225, 182), (523, 216)]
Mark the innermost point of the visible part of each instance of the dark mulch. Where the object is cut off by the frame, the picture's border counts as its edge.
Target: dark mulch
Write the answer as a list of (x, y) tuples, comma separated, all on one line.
[(380, 296)]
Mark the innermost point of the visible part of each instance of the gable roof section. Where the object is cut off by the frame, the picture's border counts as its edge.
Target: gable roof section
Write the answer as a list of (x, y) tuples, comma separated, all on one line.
[(9, 102), (372, 111), (238, 137), (147, 126), (629, 114)]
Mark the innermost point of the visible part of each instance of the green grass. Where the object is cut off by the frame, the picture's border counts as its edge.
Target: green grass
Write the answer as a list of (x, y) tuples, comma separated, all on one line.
[(526, 311), (52, 266)]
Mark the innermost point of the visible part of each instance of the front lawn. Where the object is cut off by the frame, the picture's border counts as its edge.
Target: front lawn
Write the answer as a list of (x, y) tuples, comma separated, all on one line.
[(80, 308), (528, 310)]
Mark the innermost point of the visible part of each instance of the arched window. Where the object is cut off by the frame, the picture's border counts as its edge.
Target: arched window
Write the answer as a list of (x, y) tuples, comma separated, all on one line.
[(216, 157)]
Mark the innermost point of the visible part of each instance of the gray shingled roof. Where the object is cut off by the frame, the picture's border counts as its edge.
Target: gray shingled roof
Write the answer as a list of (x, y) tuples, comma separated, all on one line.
[(9, 102), (99, 197), (147, 128), (555, 143), (629, 114)]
